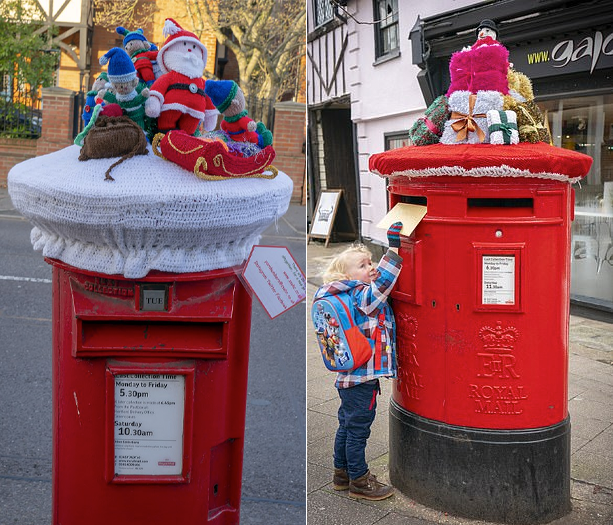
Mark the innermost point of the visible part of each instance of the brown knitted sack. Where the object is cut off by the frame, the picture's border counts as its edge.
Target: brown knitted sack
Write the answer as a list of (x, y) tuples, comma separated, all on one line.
[(113, 137)]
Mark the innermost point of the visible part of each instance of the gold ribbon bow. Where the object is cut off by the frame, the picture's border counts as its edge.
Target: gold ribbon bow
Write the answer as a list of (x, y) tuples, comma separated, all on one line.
[(466, 123)]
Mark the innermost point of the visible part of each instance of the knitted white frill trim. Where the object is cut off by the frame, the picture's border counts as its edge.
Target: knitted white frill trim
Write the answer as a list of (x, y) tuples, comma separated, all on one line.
[(135, 263), (489, 171), (155, 215)]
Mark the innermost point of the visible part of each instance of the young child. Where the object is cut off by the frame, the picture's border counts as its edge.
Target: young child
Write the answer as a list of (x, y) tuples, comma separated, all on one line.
[(352, 272)]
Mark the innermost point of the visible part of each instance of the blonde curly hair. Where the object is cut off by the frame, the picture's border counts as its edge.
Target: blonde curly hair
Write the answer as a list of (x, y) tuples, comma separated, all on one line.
[(337, 269)]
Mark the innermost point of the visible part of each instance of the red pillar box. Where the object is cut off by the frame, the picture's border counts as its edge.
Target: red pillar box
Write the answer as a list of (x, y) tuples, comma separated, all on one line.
[(479, 420), (151, 332), (149, 396)]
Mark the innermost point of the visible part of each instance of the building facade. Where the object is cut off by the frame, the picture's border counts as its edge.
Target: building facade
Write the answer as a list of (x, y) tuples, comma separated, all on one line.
[(82, 42), (396, 62)]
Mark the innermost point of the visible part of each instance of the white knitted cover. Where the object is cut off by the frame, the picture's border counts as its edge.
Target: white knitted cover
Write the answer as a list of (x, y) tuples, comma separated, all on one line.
[(154, 216)]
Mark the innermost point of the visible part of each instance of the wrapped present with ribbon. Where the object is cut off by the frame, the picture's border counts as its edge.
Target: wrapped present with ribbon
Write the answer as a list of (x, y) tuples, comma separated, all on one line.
[(428, 129), (502, 126), (530, 121), (482, 68), (468, 121)]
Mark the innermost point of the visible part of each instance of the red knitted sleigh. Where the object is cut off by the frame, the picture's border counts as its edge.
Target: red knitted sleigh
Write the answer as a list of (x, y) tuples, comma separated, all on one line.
[(211, 159)]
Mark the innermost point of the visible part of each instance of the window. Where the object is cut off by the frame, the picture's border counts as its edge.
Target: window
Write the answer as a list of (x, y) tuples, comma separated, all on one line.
[(585, 124), (323, 12), (386, 28), (6, 86), (398, 139)]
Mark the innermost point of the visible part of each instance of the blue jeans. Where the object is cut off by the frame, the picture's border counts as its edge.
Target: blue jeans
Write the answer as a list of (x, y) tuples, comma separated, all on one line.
[(355, 417)]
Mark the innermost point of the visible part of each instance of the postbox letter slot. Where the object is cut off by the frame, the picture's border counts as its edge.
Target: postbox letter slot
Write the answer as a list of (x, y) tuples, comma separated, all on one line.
[(102, 338), (422, 200), (500, 207)]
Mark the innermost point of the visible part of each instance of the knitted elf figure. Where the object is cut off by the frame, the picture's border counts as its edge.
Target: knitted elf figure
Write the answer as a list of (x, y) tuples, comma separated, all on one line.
[(141, 52), (230, 101), (90, 99), (127, 91)]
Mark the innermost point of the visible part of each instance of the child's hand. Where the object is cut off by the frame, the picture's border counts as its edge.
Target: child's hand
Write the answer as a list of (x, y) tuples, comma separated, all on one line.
[(393, 235)]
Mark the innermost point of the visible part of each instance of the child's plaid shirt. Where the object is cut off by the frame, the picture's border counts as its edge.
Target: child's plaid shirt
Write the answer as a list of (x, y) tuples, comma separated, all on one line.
[(369, 301)]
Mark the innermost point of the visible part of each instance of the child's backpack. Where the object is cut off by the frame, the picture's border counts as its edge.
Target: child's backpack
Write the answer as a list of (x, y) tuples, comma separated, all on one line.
[(343, 346)]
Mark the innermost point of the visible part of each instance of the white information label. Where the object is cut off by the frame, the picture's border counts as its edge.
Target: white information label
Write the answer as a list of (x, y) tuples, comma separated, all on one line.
[(498, 282), (149, 410)]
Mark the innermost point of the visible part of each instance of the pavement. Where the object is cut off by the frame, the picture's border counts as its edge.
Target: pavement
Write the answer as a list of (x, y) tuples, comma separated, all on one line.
[(6, 206), (590, 394)]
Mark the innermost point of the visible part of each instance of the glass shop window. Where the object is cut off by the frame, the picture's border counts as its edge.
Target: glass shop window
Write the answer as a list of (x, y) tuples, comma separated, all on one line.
[(585, 124)]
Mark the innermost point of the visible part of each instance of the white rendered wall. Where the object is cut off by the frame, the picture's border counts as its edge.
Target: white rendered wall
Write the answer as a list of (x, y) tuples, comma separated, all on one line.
[(384, 98)]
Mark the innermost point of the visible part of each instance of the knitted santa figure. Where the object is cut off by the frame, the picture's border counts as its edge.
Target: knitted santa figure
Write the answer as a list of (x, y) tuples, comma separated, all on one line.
[(141, 52), (177, 97), (126, 91)]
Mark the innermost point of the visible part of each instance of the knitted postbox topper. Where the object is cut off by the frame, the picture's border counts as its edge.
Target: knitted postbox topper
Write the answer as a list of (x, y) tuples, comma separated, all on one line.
[(155, 216), (525, 159)]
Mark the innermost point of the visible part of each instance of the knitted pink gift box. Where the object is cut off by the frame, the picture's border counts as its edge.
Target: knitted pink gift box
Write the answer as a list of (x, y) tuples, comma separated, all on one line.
[(480, 69)]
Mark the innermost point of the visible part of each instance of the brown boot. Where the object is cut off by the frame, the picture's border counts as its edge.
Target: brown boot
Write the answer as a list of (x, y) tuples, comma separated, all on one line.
[(340, 479), (367, 487)]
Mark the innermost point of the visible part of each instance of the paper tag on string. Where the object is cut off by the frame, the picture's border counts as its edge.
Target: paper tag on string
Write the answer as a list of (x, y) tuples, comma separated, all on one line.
[(275, 278)]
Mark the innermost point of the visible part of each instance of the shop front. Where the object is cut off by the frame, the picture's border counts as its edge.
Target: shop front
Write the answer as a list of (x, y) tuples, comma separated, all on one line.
[(566, 48)]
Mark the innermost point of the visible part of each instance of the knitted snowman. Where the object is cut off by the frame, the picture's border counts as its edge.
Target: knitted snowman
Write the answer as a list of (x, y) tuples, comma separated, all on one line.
[(230, 100), (141, 52), (487, 33), (178, 98), (126, 91)]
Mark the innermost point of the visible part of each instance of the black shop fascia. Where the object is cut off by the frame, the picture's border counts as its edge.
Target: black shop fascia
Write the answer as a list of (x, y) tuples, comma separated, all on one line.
[(565, 48)]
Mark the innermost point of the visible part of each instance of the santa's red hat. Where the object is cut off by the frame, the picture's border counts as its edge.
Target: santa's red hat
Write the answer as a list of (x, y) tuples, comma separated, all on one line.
[(173, 32)]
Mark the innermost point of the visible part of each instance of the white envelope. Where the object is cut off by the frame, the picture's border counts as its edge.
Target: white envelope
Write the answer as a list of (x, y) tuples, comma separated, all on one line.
[(409, 214)]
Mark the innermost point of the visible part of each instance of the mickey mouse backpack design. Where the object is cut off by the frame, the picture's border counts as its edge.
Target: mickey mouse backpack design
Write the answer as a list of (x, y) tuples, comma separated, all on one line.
[(343, 346)]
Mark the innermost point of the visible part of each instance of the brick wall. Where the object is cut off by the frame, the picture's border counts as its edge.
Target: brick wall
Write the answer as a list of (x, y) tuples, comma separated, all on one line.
[(57, 120), (14, 151), (289, 143), (56, 133)]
